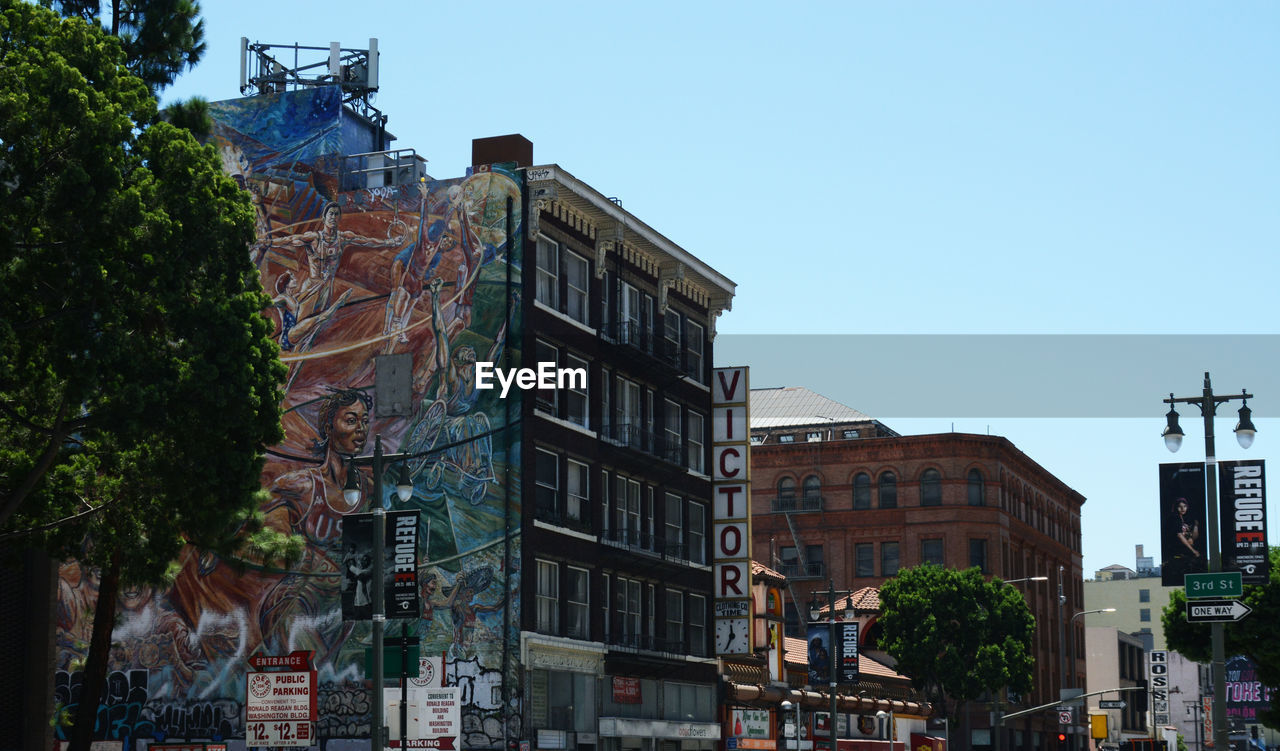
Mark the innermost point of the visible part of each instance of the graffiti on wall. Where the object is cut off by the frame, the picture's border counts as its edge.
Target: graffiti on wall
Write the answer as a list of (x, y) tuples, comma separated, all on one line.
[(422, 269)]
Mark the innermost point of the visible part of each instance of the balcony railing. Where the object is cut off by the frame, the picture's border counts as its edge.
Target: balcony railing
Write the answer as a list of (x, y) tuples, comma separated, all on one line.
[(650, 442), (803, 571), (803, 503), (649, 642)]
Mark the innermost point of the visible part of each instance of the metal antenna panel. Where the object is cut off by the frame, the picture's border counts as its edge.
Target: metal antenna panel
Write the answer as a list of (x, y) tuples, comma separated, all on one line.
[(273, 68)]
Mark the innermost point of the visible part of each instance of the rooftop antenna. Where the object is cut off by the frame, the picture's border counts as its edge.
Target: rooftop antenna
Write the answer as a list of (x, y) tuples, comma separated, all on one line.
[(273, 68)]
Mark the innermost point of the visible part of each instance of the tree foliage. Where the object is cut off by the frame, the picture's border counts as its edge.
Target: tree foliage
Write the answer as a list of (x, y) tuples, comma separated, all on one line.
[(139, 386), (956, 634), (1256, 636), (160, 38)]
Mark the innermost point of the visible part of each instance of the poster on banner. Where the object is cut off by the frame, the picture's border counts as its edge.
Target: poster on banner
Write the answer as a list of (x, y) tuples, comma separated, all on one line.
[(847, 652), (399, 566), (819, 648), (1243, 513), (1183, 530)]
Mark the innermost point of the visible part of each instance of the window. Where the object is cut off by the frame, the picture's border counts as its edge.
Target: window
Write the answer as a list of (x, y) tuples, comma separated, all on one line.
[(576, 278), (576, 396), (547, 399), (786, 489), (547, 290), (788, 438), (813, 556), (674, 525), (811, 490), (548, 597), (850, 434), (652, 615), (864, 559), (977, 494), (862, 491), (696, 620), (675, 619), (629, 610), (547, 480), (888, 490), (604, 619), (577, 605), (693, 336), (578, 487), (628, 500), (931, 551), (626, 417), (978, 554), (888, 559), (672, 326), (688, 702), (606, 411), (1144, 615), (694, 436), (931, 488), (672, 447), (697, 533), (1144, 595), (813, 436), (629, 327)]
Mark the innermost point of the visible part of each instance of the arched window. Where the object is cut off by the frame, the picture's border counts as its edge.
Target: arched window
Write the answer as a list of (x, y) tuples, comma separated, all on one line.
[(811, 491), (786, 500), (931, 488), (976, 491), (862, 491), (888, 490)]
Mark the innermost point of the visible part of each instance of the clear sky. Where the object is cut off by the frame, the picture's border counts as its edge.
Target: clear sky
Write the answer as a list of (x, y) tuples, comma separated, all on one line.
[(888, 168)]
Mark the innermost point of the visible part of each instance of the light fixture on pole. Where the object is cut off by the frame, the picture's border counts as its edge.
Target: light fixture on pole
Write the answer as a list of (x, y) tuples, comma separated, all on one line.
[(351, 492), (998, 731), (1245, 431), (786, 707)]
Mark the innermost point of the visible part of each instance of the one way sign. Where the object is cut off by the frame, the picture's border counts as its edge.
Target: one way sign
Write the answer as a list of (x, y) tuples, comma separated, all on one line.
[(1208, 611)]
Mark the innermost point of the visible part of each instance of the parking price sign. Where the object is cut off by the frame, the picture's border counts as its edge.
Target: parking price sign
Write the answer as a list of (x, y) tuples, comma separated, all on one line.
[(280, 708)]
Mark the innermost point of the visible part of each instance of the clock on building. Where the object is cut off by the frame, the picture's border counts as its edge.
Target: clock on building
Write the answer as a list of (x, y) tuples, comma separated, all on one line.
[(732, 636)]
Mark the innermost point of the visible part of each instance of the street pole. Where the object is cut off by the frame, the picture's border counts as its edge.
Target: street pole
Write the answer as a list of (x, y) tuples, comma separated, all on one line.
[(1208, 404), (1062, 654), (832, 594)]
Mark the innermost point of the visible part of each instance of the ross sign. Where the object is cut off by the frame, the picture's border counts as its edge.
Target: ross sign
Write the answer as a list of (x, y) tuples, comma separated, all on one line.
[(1243, 513), (731, 510), (1158, 671), (399, 566), (1183, 534), (280, 708), (1111, 704), (1220, 584), (1209, 611)]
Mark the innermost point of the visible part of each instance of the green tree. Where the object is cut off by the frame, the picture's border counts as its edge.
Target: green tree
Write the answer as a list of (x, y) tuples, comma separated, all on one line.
[(1256, 636), (139, 386), (161, 38), (956, 634)]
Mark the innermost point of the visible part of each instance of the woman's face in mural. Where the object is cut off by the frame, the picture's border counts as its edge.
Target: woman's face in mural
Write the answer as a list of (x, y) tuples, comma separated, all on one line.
[(350, 428)]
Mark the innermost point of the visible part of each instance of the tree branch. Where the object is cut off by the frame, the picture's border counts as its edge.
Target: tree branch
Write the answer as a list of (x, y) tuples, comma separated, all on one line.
[(57, 434), (58, 523)]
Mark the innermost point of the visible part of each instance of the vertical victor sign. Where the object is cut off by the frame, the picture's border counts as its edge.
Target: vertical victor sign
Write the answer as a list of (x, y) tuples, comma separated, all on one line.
[(731, 532)]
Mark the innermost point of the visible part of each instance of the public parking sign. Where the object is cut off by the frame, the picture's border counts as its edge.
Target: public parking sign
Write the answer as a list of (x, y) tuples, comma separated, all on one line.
[(280, 708)]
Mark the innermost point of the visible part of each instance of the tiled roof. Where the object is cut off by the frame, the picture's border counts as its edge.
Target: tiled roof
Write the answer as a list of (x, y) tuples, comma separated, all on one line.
[(759, 569), (797, 653), (794, 406), (867, 598)]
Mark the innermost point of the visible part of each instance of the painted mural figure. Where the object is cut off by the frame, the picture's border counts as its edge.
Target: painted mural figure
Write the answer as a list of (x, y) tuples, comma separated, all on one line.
[(295, 333), (412, 267), (448, 421), (323, 249), (465, 610), (310, 502)]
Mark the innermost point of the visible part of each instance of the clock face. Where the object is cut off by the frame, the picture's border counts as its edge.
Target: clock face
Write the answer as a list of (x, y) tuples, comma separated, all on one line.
[(732, 636)]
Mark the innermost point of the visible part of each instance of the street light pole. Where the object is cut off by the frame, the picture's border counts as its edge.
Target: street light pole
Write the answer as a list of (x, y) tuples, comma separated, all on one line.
[(1208, 404), (832, 595), (997, 741), (404, 491)]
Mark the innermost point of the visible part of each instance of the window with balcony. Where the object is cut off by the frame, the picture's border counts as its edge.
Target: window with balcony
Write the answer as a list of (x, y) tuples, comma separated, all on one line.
[(931, 551), (672, 447), (548, 597), (547, 400), (696, 620), (628, 609), (931, 488), (786, 494), (577, 603), (578, 492), (888, 490), (626, 413), (547, 287), (697, 532), (811, 492), (888, 559), (864, 559), (675, 620), (696, 427), (672, 337), (694, 335), (577, 397), (673, 524), (547, 483), (862, 491), (977, 489)]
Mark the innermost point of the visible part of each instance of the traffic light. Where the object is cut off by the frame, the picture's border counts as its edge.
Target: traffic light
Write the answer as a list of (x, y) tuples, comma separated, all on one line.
[(1140, 698), (1062, 742)]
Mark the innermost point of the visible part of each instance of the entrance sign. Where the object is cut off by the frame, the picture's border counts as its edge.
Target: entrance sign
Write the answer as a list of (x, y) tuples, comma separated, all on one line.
[(731, 509)]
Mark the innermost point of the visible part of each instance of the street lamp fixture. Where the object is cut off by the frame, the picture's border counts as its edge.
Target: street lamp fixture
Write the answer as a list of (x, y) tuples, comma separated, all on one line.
[(1025, 579), (351, 492), (1245, 431), (786, 707), (815, 612)]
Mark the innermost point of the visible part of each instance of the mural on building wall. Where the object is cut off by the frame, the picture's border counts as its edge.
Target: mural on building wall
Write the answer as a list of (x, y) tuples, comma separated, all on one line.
[(420, 268)]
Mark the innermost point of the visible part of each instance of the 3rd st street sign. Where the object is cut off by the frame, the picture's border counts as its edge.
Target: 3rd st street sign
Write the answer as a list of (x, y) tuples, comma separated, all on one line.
[(1208, 611)]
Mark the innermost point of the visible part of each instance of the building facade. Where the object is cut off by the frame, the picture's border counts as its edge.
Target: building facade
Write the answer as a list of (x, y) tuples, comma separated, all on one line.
[(845, 499), (563, 574)]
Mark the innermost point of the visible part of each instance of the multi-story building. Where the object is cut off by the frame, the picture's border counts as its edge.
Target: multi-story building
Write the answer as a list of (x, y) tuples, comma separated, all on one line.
[(838, 497), (564, 579), (1137, 596), (1116, 659)]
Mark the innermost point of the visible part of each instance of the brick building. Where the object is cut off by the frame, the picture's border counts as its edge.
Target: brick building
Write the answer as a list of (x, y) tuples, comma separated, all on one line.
[(838, 496)]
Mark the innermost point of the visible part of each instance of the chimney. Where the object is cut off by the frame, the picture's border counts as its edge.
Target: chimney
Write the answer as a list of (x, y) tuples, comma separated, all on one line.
[(511, 148)]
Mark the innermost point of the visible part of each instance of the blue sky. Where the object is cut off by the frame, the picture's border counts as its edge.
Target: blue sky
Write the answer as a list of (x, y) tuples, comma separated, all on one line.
[(890, 168)]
